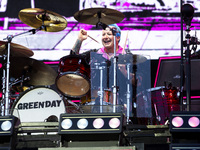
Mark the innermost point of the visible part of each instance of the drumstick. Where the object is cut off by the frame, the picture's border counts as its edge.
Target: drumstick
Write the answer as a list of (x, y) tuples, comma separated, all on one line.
[(89, 36), (92, 38), (123, 52)]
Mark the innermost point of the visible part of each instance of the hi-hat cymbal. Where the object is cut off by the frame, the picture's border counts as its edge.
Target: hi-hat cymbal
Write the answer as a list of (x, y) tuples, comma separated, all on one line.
[(16, 50), (36, 17), (95, 15), (38, 72)]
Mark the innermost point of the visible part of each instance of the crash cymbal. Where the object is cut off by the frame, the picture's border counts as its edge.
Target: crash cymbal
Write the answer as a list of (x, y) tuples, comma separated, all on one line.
[(16, 50), (35, 17), (131, 58), (95, 15), (38, 72)]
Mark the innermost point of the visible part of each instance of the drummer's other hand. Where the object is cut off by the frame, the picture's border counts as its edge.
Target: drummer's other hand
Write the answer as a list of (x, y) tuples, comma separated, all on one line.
[(82, 35)]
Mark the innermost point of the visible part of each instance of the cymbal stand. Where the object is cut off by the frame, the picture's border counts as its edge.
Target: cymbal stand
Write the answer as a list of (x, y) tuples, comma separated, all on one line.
[(101, 91), (3, 88), (6, 71), (128, 93), (6, 78), (104, 26)]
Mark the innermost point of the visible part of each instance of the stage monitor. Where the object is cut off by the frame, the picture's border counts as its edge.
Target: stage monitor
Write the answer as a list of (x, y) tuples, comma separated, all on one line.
[(168, 72)]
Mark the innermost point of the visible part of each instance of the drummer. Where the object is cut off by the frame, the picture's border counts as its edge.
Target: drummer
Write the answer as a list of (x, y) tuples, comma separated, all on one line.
[(107, 50)]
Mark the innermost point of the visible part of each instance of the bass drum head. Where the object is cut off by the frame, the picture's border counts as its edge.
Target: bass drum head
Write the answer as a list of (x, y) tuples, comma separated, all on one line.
[(38, 104)]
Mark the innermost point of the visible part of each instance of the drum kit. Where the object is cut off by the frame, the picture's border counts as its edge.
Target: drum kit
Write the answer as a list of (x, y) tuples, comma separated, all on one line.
[(25, 71)]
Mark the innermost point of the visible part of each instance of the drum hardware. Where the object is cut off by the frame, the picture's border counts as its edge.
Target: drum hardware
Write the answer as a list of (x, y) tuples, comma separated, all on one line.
[(101, 90), (37, 18), (128, 93)]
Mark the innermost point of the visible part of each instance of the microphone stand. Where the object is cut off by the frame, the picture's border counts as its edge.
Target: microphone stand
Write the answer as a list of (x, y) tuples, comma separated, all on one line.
[(115, 76), (6, 72), (187, 11), (128, 94), (181, 66), (104, 26), (188, 69)]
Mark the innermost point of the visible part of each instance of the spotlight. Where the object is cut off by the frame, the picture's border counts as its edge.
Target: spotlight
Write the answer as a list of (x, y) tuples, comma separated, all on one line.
[(66, 124), (98, 123), (7, 124), (82, 123), (114, 123), (185, 121)]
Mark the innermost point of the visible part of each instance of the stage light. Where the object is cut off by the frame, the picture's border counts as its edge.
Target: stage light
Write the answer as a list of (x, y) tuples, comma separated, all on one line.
[(90, 123), (177, 121), (114, 123), (98, 123), (66, 123), (185, 121), (193, 122), (7, 124), (82, 123)]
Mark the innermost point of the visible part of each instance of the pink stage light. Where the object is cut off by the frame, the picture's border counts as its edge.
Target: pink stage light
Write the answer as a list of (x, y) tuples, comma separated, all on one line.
[(114, 123), (193, 122), (98, 123), (177, 122)]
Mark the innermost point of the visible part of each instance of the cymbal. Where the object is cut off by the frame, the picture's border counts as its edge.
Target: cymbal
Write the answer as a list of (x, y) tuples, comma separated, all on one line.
[(38, 72), (35, 17), (16, 50), (94, 15)]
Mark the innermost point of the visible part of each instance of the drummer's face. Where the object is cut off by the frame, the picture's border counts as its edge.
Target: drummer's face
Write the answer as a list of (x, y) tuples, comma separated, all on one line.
[(108, 39)]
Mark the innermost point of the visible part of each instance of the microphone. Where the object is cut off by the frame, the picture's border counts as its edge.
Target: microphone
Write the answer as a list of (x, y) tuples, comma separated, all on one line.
[(187, 12), (103, 25)]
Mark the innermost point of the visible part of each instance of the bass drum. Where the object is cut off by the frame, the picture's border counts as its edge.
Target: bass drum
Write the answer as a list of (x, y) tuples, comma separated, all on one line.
[(38, 104), (73, 79)]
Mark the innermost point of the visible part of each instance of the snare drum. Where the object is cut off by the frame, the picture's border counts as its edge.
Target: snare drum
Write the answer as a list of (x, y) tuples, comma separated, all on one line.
[(73, 79), (38, 104)]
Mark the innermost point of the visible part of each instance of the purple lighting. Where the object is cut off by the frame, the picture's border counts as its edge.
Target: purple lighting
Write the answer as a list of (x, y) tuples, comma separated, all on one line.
[(177, 121), (193, 122)]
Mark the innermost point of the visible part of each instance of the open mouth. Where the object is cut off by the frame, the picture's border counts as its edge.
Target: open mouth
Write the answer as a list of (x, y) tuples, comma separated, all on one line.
[(107, 41)]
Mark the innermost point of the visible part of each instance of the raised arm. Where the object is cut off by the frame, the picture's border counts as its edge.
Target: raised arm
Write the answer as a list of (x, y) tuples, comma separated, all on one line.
[(81, 37)]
